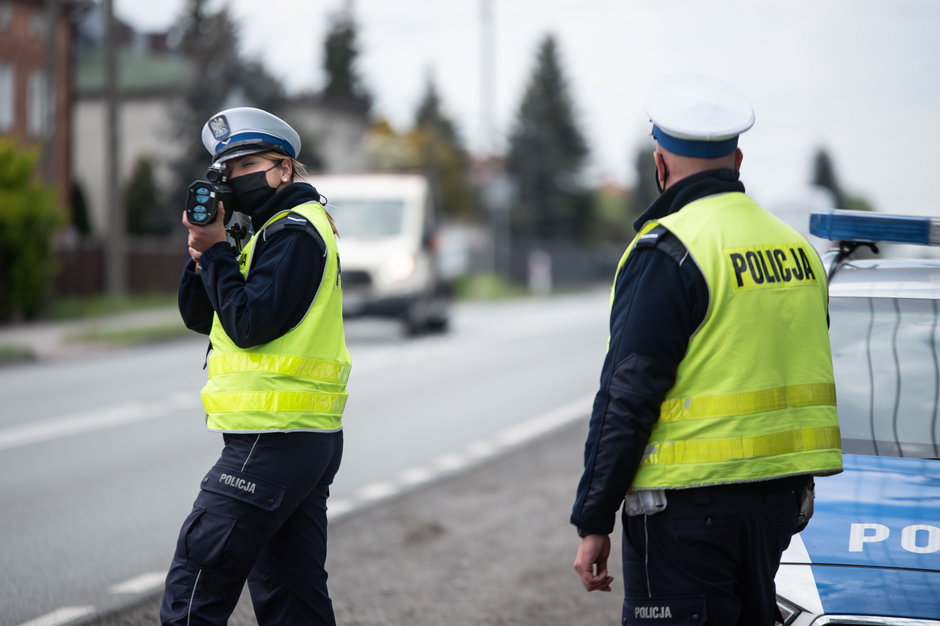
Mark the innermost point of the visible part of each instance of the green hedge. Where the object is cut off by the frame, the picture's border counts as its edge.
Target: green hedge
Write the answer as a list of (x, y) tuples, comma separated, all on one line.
[(29, 217)]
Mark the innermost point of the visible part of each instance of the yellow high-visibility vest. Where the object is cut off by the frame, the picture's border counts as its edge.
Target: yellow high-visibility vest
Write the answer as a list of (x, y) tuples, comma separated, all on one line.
[(296, 382), (754, 397)]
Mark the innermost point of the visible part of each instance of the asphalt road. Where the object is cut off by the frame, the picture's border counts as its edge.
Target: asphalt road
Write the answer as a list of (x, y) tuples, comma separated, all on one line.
[(489, 546), (101, 453)]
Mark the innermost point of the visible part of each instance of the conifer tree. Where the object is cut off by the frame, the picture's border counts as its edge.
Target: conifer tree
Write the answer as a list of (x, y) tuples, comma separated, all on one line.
[(442, 156), (644, 189), (220, 78), (341, 52), (143, 201), (824, 175), (209, 42), (432, 145), (547, 151)]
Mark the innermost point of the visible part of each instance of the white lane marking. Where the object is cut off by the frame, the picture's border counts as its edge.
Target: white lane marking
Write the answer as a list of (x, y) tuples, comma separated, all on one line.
[(377, 491), (411, 477), (415, 476), (338, 508), (86, 421), (545, 423), (61, 616), (480, 450), (795, 580), (450, 462), (455, 461), (140, 584)]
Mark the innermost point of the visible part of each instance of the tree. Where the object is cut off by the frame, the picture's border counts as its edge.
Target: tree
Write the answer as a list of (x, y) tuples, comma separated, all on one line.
[(208, 40), (80, 217), (547, 151), (389, 150), (29, 217), (430, 115), (824, 175), (341, 51), (220, 79), (855, 202), (645, 190), (432, 146), (257, 87), (612, 223), (442, 156), (143, 201)]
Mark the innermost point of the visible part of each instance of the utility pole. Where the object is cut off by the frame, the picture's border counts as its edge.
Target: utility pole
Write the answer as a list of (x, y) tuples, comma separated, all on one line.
[(116, 242), (495, 187), (486, 75), (51, 96)]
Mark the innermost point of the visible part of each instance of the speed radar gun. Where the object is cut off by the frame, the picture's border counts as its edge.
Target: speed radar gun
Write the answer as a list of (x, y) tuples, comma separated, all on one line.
[(202, 203), (202, 199)]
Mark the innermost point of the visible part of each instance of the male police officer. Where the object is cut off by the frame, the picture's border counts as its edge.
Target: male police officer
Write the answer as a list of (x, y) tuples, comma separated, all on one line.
[(717, 402)]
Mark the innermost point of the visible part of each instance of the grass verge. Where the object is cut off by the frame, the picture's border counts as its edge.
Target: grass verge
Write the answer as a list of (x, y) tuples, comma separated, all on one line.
[(80, 308), (485, 287), (15, 354), (130, 336)]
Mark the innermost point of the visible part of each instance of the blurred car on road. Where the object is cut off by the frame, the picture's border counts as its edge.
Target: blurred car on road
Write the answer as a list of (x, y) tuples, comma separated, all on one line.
[(388, 247), (871, 553)]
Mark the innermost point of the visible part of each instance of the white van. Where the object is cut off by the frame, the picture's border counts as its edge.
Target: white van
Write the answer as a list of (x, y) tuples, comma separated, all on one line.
[(387, 248)]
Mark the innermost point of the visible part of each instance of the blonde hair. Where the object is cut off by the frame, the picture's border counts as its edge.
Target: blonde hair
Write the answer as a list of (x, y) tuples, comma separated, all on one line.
[(298, 171)]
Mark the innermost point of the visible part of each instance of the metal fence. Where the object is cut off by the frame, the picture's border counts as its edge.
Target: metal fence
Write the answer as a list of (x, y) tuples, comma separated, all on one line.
[(154, 265)]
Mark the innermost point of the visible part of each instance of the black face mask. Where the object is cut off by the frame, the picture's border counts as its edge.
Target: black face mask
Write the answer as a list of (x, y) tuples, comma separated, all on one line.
[(660, 186), (249, 191)]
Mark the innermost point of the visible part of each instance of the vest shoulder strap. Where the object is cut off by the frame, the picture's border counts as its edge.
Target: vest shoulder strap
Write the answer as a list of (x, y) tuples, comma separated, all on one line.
[(660, 238), (294, 221)]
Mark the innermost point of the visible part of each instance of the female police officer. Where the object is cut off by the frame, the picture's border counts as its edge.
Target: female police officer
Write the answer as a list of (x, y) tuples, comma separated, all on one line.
[(276, 387)]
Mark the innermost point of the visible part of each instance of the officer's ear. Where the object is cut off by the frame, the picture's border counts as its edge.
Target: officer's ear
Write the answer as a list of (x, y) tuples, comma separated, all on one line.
[(738, 158), (661, 171), (287, 171)]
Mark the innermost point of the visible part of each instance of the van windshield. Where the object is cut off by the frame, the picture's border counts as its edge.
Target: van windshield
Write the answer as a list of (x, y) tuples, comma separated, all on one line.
[(367, 219)]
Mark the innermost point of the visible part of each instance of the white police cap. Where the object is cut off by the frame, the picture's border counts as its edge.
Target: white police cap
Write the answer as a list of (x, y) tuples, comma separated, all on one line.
[(697, 116), (245, 130)]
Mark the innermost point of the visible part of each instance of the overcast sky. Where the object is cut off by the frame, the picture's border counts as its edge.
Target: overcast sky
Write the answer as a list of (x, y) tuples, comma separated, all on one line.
[(860, 78)]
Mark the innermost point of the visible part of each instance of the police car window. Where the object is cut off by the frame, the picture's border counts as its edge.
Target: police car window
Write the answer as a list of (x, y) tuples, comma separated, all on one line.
[(367, 219), (886, 355)]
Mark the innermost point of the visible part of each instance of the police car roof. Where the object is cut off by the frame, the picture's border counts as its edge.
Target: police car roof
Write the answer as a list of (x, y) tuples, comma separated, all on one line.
[(887, 278), (869, 226), (879, 277)]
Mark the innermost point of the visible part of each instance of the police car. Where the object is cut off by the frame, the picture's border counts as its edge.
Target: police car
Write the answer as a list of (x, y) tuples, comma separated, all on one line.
[(871, 554)]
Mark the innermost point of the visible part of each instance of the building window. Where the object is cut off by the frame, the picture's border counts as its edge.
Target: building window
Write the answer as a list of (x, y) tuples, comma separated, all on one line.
[(38, 105), (6, 13), (6, 97), (37, 22)]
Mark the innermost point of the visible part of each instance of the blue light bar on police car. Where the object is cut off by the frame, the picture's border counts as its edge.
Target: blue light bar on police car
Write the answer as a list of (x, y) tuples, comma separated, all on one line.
[(875, 227)]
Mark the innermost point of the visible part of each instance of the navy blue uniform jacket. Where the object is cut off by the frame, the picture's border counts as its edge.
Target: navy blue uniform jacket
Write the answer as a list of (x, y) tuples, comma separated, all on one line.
[(286, 271)]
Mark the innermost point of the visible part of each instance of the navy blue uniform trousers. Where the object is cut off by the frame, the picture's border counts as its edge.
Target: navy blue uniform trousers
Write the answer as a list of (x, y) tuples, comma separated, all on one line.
[(260, 516), (711, 556)]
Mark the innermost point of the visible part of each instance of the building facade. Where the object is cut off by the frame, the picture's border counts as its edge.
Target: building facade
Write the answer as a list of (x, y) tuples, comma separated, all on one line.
[(35, 77)]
